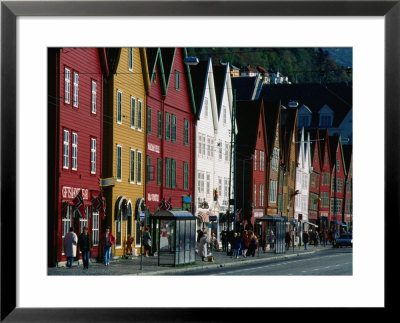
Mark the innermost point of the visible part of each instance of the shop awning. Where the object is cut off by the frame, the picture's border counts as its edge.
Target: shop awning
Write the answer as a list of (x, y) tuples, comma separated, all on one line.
[(340, 223)]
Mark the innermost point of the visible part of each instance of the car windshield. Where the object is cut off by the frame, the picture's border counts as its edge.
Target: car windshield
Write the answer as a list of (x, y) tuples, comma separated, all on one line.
[(345, 236)]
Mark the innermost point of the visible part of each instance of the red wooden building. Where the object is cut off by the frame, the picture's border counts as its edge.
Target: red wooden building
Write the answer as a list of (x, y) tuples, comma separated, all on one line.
[(348, 204), (325, 180), (75, 121), (170, 131), (338, 175), (251, 161)]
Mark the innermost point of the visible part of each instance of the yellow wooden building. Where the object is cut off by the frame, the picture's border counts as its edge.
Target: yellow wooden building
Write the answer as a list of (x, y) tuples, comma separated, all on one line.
[(124, 150)]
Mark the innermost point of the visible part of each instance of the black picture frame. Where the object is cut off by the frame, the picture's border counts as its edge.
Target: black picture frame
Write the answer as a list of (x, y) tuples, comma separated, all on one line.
[(10, 10)]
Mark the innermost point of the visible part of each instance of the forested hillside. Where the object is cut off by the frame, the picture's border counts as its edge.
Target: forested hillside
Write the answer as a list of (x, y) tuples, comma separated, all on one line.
[(301, 65)]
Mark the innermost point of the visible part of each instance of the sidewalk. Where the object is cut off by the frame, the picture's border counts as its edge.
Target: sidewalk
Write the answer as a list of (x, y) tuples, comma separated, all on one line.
[(150, 264)]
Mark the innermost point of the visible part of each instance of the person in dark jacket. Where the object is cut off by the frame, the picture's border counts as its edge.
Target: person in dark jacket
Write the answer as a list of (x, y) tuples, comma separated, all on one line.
[(253, 244), (287, 240), (305, 240), (236, 245), (146, 242), (224, 239), (85, 244)]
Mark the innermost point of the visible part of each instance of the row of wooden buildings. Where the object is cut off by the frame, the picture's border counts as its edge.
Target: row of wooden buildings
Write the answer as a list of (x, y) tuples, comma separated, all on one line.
[(133, 130)]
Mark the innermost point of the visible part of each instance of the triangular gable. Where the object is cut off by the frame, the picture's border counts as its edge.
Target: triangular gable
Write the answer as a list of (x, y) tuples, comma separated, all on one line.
[(154, 59), (304, 110), (325, 109), (272, 112)]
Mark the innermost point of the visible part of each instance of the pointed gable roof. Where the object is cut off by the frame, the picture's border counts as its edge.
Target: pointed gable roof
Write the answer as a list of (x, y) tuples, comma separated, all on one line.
[(168, 56), (220, 73), (112, 54), (247, 87), (347, 153), (335, 142), (248, 115), (288, 127), (315, 145), (272, 112), (324, 137), (154, 59), (199, 75)]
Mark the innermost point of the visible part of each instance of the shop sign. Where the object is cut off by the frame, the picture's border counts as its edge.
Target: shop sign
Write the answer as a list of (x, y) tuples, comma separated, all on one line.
[(154, 148), (153, 197), (107, 182), (71, 192)]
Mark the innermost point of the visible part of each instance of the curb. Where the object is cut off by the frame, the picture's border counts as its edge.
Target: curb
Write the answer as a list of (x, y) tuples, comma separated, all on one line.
[(220, 265)]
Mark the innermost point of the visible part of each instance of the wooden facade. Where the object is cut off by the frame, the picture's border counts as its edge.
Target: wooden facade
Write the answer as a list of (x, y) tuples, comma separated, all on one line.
[(325, 182), (315, 175), (75, 157), (124, 144)]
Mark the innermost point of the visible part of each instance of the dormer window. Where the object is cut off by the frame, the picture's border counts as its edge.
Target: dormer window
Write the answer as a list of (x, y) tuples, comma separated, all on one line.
[(304, 119), (325, 121)]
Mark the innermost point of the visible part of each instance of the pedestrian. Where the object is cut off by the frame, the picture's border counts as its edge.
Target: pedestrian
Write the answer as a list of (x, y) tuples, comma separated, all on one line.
[(246, 243), (107, 241), (85, 244), (203, 246), (326, 238), (305, 240), (287, 240), (253, 244), (214, 242), (316, 239), (146, 242), (70, 242), (236, 245), (224, 239)]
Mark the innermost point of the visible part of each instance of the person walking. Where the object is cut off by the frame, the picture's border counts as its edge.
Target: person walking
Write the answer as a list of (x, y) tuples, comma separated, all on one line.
[(147, 242), (236, 245), (316, 239), (203, 246), (107, 241), (85, 244), (287, 240), (246, 243), (70, 243), (224, 239), (305, 240), (326, 238), (253, 244)]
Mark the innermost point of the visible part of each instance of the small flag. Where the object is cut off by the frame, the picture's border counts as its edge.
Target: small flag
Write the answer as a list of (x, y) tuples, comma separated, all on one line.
[(78, 205)]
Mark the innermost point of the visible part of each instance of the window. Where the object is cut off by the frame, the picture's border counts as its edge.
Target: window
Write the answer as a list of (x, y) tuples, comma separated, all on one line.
[(186, 132), (93, 155), (339, 184), (272, 191), (139, 168), (325, 199), (119, 163), (95, 228), (304, 121), (159, 171), (154, 77), (167, 126), (219, 186), (67, 86), (255, 160), (133, 112), (173, 132), (139, 116), (66, 221), (173, 173), (224, 115), (159, 124), (148, 120), (326, 178), (206, 108), (74, 156), (148, 175), (130, 59), (119, 106), (226, 187), (132, 166), (313, 202), (208, 183), (185, 176), (66, 150), (338, 164), (94, 97), (177, 80), (325, 121), (336, 208), (212, 147), (255, 194), (167, 172), (262, 194), (83, 222), (200, 182), (261, 160), (209, 147), (76, 89), (220, 150), (312, 180), (275, 159), (227, 151)]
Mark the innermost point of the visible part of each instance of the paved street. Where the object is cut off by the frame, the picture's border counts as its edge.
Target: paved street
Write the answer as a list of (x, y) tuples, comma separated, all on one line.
[(315, 261)]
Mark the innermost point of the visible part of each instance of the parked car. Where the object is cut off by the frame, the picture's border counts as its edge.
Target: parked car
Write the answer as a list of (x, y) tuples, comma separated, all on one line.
[(345, 239)]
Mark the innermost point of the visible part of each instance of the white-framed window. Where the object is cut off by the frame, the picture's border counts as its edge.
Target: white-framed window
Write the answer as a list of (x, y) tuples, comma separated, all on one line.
[(66, 224), (224, 115), (226, 187), (200, 182), (132, 166), (209, 147), (206, 108), (275, 159), (94, 97), (66, 149), (95, 228), (219, 186), (261, 194), (76, 89), (130, 59), (74, 154), (212, 147), (119, 106), (255, 194), (208, 183), (220, 150), (177, 80), (338, 165), (272, 191), (93, 150), (261, 160), (255, 160), (140, 114), (133, 112), (227, 151), (84, 222), (139, 168), (119, 163), (67, 85), (325, 121)]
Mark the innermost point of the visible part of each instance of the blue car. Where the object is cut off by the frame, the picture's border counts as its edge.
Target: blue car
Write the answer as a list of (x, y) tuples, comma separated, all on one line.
[(345, 239)]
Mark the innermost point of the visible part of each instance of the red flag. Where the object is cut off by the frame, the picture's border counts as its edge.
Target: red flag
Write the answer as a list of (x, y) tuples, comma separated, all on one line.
[(78, 204)]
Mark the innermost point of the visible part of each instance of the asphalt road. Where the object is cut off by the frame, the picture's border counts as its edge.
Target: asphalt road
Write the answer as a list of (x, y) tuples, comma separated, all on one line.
[(332, 262)]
